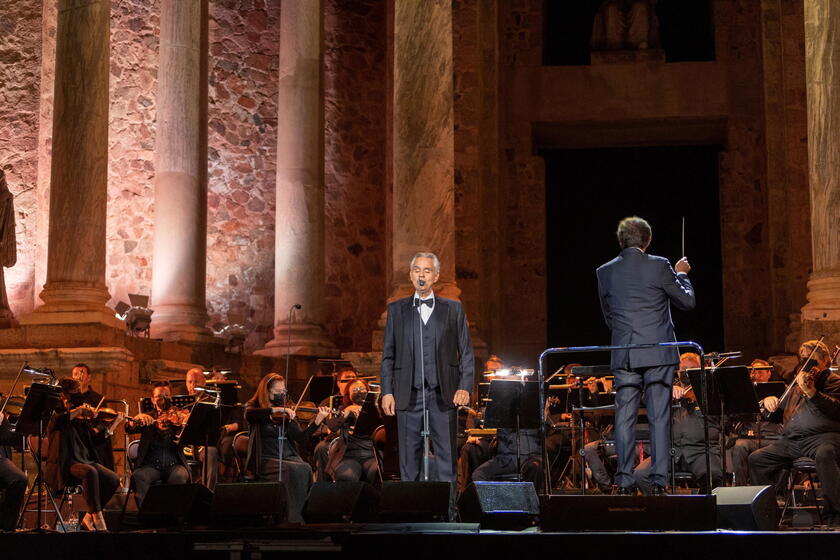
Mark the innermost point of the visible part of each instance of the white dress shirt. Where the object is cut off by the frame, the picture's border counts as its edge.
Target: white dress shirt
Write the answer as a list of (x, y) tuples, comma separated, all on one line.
[(424, 310)]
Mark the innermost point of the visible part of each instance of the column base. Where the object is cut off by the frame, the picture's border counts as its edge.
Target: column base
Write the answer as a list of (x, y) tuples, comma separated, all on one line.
[(68, 303), (306, 340), (176, 322), (821, 315)]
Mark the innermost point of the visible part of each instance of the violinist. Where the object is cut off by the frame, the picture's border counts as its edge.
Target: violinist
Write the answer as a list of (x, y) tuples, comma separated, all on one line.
[(811, 417), (351, 456), (159, 457), (71, 458), (320, 455), (688, 436), (104, 446), (12, 479), (273, 435)]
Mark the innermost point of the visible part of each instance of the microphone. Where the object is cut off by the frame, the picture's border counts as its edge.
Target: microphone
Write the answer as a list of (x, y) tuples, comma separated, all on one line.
[(421, 283), (206, 390), (416, 302), (296, 306)]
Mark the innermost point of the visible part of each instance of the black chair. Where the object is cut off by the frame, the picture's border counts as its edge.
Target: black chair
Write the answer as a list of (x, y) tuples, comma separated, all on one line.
[(808, 468)]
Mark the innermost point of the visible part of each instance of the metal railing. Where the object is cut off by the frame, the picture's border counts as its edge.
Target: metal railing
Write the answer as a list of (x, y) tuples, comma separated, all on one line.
[(583, 349)]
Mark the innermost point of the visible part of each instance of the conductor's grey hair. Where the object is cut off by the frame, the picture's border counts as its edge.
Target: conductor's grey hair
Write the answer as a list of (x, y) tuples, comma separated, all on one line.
[(432, 256)]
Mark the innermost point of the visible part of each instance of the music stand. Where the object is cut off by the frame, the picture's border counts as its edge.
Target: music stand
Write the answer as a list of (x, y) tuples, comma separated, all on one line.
[(321, 388), (512, 405), (368, 419), (41, 401), (769, 389), (202, 428)]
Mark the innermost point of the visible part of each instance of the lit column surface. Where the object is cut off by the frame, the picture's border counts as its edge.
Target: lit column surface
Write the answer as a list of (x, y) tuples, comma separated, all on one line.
[(180, 246), (299, 242)]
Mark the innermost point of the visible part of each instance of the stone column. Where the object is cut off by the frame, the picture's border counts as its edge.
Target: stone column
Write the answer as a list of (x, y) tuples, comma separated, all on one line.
[(423, 142), (75, 290), (821, 315), (180, 247), (299, 241)]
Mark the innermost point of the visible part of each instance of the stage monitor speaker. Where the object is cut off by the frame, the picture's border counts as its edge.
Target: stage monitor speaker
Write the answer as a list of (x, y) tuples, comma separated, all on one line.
[(628, 513), (747, 508), (416, 502), (173, 505), (341, 502), (249, 503), (500, 505)]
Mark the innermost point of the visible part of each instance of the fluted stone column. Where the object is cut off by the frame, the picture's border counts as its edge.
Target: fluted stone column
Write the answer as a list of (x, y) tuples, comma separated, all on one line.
[(821, 315), (75, 290), (180, 246), (424, 150), (299, 241)]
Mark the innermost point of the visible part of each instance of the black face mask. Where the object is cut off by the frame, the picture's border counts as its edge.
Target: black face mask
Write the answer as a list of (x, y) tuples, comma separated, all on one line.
[(164, 403), (358, 397), (279, 400), (77, 399)]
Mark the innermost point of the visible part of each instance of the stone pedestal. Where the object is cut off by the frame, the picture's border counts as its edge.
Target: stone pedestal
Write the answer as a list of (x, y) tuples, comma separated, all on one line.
[(75, 290), (821, 315), (299, 241), (180, 247)]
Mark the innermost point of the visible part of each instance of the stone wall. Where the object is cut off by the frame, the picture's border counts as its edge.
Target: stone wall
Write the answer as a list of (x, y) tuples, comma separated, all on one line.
[(354, 174), (20, 77)]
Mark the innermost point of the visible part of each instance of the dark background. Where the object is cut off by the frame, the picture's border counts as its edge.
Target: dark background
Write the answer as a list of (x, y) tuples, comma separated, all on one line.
[(587, 193)]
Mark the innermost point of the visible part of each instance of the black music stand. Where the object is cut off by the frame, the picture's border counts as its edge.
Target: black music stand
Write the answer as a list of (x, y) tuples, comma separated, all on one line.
[(202, 428), (41, 401), (769, 389), (321, 388), (512, 405), (368, 419)]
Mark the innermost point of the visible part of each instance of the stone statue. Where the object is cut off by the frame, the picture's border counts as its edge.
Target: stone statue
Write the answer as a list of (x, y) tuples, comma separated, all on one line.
[(625, 25), (8, 247)]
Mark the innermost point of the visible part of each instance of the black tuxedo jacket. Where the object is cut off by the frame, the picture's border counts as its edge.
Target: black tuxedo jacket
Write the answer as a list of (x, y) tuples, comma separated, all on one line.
[(636, 291), (454, 352)]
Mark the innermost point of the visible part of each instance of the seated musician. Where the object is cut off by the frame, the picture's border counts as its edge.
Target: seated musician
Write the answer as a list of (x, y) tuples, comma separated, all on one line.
[(272, 427), (811, 418), (594, 451), (219, 456), (104, 446), (475, 450), (752, 434), (688, 436), (12, 479), (159, 457), (320, 455), (71, 458), (351, 456)]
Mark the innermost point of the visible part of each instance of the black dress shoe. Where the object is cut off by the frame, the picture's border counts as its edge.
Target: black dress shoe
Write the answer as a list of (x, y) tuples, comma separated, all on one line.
[(625, 491), (657, 490)]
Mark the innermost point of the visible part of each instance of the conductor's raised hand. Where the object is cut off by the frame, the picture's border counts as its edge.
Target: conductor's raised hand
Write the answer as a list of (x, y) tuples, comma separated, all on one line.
[(682, 266), (461, 398), (388, 405)]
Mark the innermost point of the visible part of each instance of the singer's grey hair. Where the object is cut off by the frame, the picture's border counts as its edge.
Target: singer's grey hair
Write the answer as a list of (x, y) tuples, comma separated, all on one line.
[(432, 256)]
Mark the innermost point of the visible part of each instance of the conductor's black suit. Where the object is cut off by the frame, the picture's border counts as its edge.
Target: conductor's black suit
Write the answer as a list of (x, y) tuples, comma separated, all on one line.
[(636, 290)]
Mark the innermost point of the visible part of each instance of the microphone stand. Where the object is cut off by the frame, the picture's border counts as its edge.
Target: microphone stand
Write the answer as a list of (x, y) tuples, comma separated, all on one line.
[(425, 433), (281, 429)]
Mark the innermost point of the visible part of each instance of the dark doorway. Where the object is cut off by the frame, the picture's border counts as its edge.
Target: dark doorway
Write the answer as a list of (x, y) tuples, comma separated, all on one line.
[(588, 192)]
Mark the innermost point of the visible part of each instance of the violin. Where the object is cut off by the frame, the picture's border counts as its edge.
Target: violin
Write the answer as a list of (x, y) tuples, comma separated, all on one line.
[(14, 406), (172, 417)]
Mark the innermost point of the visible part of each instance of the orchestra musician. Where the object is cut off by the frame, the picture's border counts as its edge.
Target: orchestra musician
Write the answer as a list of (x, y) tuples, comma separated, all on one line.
[(272, 427), (71, 457), (427, 361), (320, 455), (159, 457), (104, 446), (12, 479), (476, 450), (351, 456), (811, 419), (636, 290)]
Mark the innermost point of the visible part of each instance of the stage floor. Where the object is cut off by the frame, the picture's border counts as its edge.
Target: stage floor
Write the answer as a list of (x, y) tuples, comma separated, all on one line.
[(413, 540)]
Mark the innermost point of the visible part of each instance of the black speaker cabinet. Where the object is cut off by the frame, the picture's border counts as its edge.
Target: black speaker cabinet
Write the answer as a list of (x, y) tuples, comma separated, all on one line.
[(747, 508), (250, 503), (500, 505), (341, 502), (628, 513), (416, 502), (172, 505)]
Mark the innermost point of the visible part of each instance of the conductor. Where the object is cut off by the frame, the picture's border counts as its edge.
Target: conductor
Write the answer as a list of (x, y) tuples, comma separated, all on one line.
[(636, 290)]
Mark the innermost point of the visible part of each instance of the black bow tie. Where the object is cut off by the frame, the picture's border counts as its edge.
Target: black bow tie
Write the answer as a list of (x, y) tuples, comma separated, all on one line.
[(419, 302)]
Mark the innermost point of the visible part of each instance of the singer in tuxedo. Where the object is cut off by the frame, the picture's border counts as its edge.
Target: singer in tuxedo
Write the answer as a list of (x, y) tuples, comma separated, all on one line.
[(636, 292), (427, 352)]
